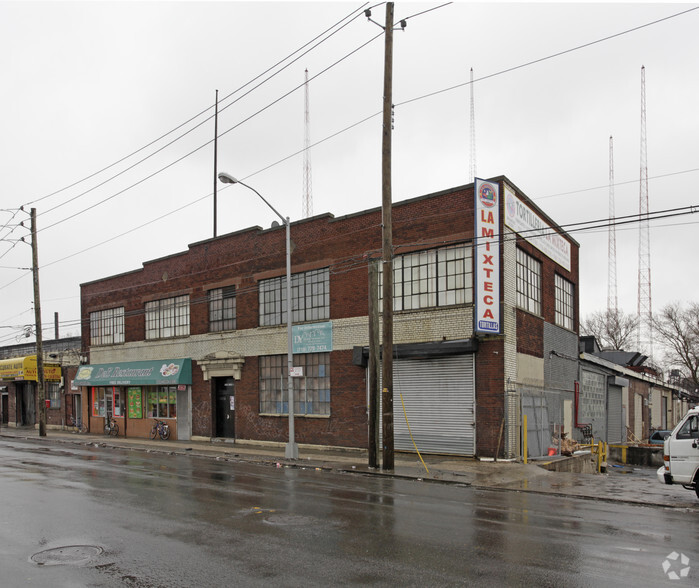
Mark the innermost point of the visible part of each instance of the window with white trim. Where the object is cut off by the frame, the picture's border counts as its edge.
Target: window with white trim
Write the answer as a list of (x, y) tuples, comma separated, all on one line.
[(222, 309), (564, 303), (168, 317), (310, 295), (433, 277), (107, 326), (311, 391), (528, 282)]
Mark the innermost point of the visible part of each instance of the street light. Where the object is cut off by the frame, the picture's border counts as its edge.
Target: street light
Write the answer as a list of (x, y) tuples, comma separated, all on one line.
[(292, 449)]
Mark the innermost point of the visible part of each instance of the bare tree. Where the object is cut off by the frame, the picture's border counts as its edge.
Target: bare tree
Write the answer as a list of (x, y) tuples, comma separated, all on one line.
[(613, 329), (678, 331)]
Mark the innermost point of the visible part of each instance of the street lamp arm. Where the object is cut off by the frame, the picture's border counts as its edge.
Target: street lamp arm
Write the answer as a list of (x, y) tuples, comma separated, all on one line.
[(229, 179)]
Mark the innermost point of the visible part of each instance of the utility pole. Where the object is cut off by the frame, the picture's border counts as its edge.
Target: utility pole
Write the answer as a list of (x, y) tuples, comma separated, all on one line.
[(374, 347), (215, 164), (39, 339), (387, 243)]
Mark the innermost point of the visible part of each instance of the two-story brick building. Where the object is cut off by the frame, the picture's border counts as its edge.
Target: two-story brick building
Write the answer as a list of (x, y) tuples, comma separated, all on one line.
[(486, 316)]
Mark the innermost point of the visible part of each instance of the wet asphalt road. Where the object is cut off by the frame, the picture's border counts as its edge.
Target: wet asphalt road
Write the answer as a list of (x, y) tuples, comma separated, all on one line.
[(95, 516)]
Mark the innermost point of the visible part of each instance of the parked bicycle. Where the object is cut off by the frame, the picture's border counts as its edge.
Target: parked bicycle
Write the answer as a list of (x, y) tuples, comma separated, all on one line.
[(162, 429), (110, 427), (78, 424)]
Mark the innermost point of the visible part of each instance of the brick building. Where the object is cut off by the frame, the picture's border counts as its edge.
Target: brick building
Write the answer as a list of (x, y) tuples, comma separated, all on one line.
[(485, 326)]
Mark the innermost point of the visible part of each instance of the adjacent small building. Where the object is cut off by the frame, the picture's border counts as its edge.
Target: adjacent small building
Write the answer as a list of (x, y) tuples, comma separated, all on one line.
[(485, 329), (18, 383)]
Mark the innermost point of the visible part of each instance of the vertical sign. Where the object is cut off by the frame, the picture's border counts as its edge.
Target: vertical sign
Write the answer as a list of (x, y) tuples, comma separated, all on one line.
[(487, 257)]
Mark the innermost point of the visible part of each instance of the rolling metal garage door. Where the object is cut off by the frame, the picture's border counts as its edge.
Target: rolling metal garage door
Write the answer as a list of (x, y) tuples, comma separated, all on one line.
[(439, 396)]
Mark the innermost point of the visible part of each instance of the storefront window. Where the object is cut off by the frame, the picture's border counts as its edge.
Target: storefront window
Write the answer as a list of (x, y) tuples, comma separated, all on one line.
[(111, 398), (161, 402)]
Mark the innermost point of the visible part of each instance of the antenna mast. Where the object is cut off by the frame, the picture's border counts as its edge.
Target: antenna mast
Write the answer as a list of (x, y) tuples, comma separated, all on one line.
[(611, 252), (307, 193), (472, 169), (645, 313)]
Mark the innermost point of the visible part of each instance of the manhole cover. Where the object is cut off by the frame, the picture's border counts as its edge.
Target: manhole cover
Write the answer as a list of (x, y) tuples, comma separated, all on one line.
[(70, 555)]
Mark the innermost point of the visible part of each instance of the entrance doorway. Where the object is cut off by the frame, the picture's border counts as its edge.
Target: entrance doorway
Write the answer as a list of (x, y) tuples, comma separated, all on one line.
[(5, 409), (225, 407), (26, 413)]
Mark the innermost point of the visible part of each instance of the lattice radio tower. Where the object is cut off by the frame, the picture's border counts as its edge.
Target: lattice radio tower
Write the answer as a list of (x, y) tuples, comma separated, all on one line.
[(612, 306), (472, 167), (307, 204), (645, 312)]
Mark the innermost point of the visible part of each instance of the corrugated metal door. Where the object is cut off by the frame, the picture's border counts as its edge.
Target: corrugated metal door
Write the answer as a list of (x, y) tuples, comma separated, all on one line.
[(614, 416), (440, 403)]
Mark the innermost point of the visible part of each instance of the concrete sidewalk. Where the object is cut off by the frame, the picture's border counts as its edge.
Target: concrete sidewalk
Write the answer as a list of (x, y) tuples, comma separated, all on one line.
[(630, 484)]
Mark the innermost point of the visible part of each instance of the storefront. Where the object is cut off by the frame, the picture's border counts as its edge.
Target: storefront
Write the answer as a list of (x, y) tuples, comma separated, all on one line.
[(19, 375), (137, 393)]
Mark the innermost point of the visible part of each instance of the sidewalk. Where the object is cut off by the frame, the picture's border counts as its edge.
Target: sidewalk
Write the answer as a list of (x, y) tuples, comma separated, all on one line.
[(629, 484)]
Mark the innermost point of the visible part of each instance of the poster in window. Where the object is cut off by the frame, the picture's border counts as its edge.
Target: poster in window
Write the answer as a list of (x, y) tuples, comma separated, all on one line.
[(135, 403)]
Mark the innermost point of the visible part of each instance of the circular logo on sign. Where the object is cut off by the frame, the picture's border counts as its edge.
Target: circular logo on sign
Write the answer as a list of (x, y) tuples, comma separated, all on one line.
[(510, 204), (486, 194)]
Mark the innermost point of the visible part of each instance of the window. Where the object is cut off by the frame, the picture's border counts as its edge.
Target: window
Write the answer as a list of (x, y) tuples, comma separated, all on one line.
[(528, 283), (311, 392), (107, 326), (107, 399), (436, 277), (54, 390), (222, 309), (690, 429), (167, 318), (310, 295), (564, 303), (161, 402)]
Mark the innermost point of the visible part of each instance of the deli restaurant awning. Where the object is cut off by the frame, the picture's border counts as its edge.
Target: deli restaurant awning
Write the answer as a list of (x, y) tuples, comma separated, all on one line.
[(24, 369), (161, 372)]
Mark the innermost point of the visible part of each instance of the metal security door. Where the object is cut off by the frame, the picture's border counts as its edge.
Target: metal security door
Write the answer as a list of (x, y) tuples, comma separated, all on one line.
[(614, 416), (538, 428), (225, 407), (439, 398)]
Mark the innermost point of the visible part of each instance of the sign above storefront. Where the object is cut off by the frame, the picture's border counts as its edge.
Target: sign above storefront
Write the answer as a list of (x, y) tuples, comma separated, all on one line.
[(24, 369), (313, 338), (526, 223), (136, 373)]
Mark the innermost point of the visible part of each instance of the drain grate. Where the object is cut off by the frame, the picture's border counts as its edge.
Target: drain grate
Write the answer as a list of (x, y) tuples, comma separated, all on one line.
[(70, 555)]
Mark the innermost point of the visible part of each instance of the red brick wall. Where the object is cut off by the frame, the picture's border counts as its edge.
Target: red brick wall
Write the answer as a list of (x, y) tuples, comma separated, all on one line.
[(490, 395), (530, 334)]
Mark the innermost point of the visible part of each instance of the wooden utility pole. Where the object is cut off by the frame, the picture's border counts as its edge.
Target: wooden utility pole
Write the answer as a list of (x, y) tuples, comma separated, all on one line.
[(215, 164), (374, 364), (39, 340), (387, 242)]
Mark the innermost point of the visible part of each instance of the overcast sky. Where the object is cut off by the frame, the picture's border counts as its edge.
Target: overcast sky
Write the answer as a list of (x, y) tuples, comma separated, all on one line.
[(86, 84)]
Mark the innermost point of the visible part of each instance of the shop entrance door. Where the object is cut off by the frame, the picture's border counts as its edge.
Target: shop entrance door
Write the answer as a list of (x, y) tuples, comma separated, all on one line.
[(5, 409), (225, 407)]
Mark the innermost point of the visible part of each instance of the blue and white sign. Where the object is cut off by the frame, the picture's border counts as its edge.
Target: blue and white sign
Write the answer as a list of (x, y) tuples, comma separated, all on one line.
[(313, 338)]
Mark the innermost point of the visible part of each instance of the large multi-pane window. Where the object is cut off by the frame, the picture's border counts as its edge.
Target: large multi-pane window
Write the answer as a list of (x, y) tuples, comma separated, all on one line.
[(311, 391), (168, 317), (310, 295), (161, 402), (528, 282), (435, 277), (107, 326), (564, 303), (222, 309)]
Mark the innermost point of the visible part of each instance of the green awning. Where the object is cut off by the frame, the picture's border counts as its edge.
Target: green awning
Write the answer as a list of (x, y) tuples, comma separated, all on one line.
[(162, 372)]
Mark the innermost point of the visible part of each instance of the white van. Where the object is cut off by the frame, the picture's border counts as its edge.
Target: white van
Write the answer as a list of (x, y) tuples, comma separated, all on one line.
[(681, 453)]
